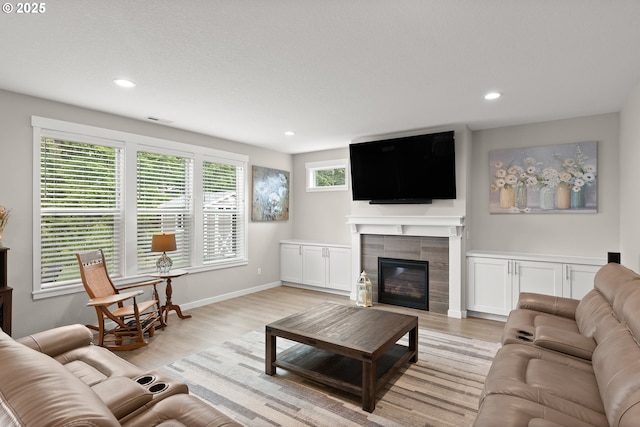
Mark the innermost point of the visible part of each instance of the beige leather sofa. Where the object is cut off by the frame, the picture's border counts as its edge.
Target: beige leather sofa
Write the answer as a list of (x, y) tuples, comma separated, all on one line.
[(569, 363), (59, 378)]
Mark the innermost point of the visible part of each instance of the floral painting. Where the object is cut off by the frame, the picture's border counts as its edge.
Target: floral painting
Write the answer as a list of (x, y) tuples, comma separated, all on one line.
[(545, 179), (270, 194)]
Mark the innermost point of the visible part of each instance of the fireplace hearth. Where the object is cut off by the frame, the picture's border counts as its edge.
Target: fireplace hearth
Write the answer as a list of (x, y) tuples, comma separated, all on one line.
[(403, 282)]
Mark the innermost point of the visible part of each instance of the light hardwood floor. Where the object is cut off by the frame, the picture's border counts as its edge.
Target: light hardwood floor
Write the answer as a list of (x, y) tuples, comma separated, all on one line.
[(222, 321)]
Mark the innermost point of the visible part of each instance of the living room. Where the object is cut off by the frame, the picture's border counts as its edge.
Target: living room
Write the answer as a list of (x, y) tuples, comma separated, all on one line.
[(323, 216)]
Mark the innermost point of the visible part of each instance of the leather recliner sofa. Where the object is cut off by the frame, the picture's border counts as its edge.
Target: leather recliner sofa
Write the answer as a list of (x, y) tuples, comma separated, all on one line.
[(569, 363), (59, 378)]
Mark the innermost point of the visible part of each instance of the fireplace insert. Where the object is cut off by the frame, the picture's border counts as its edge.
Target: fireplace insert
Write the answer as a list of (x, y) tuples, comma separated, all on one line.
[(403, 282)]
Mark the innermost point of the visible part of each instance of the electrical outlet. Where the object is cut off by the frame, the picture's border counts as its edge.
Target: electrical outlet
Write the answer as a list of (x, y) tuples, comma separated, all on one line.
[(259, 271)]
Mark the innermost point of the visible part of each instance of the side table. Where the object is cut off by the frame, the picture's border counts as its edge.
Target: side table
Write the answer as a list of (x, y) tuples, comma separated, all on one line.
[(169, 305)]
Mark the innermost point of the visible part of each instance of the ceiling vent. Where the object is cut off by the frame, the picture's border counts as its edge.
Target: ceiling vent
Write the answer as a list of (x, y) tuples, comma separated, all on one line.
[(159, 120)]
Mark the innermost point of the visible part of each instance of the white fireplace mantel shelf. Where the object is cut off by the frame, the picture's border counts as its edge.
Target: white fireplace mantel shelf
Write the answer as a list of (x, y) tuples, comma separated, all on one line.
[(429, 226), (435, 226)]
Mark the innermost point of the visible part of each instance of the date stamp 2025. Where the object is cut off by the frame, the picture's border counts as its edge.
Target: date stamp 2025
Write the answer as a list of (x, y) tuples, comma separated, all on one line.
[(24, 8)]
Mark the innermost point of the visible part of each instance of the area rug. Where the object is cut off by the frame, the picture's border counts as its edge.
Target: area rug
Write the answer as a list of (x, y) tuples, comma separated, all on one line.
[(441, 389)]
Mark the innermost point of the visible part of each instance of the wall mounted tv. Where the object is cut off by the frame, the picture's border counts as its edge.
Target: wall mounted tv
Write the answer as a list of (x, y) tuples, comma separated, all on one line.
[(406, 170)]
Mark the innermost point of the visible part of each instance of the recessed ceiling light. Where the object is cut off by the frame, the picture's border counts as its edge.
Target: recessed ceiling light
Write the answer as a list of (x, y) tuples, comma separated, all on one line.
[(492, 95), (289, 133), (124, 83)]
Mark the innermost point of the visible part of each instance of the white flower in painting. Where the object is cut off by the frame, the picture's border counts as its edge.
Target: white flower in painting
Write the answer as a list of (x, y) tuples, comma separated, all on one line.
[(511, 180), (590, 169), (494, 187), (589, 177), (500, 182), (565, 176), (569, 163), (498, 164), (501, 173), (513, 170), (578, 183), (531, 170), (524, 176), (531, 181)]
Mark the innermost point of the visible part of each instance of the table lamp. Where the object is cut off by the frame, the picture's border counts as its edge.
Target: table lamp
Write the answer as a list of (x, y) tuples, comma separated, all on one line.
[(163, 242)]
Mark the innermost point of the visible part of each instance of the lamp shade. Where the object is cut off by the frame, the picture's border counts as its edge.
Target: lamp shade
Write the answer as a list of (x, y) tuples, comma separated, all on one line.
[(163, 242)]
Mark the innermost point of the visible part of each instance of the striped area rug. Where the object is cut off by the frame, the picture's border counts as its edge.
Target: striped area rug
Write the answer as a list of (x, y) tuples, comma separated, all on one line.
[(441, 389)]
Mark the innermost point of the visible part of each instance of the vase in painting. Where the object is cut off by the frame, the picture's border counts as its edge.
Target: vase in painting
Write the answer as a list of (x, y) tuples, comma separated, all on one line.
[(507, 197), (577, 198), (521, 196), (548, 198), (563, 196)]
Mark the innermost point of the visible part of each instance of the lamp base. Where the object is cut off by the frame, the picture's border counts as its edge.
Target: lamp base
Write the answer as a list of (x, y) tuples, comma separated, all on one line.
[(164, 263)]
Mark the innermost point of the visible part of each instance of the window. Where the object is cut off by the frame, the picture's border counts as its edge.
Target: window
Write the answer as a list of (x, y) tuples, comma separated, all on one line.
[(327, 176), (222, 207), (164, 204), (100, 188), (80, 205)]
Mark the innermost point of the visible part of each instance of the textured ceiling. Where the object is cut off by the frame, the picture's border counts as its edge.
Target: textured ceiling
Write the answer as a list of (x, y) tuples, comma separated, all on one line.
[(331, 70)]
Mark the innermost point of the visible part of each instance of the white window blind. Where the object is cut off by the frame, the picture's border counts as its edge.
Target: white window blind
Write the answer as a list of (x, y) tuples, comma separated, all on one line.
[(80, 206), (223, 212), (102, 188), (164, 204)]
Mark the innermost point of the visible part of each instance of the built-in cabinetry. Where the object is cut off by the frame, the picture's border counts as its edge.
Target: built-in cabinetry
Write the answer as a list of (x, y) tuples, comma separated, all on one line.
[(316, 264), (495, 279)]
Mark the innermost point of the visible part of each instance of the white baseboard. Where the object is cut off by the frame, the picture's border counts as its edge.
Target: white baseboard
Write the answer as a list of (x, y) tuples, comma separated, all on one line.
[(488, 316), (218, 298)]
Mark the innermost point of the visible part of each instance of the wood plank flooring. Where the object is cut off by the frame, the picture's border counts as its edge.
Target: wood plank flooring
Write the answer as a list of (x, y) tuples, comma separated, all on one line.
[(225, 320)]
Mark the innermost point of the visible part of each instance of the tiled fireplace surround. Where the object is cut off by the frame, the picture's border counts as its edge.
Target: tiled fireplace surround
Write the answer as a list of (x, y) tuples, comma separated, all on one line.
[(435, 239)]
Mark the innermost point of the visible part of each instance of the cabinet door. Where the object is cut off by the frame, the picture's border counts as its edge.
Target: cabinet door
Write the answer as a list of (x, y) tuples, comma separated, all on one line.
[(578, 280), (339, 269), (489, 285), (314, 265), (536, 276), (291, 263)]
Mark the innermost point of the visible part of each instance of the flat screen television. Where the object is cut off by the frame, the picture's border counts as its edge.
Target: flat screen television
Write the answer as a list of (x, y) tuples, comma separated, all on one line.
[(405, 170)]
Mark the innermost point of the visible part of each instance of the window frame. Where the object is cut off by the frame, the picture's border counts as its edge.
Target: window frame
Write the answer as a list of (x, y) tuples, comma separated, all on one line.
[(132, 144), (313, 167)]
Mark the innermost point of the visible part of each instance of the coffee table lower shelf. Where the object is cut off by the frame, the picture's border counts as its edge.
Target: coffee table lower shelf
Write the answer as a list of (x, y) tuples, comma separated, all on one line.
[(342, 372)]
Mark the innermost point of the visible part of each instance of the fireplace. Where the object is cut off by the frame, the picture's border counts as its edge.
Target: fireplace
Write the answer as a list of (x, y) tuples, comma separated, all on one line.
[(403, 282)]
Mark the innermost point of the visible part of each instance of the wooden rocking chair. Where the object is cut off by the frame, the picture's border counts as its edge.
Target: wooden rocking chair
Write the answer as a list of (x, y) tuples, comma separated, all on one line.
[(130, 322)]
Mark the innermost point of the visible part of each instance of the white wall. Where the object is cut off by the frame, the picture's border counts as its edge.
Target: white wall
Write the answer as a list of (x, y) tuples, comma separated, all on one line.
[(16, 173), (556, 233), (629, 172), (320, 216)]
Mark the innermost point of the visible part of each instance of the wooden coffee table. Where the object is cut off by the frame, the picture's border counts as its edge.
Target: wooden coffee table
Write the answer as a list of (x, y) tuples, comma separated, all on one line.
[(350, 348)]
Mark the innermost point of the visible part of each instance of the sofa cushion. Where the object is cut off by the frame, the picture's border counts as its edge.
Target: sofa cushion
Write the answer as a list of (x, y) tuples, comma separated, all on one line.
[(504, 410), (566, 384), (181, 410), (35, 390), (616, 364), (93, 364)]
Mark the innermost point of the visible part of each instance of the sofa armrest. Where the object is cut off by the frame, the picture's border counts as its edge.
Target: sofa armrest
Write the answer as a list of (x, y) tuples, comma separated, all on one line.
[(559, 306), (566, 342), (56, 341), (122, 395)]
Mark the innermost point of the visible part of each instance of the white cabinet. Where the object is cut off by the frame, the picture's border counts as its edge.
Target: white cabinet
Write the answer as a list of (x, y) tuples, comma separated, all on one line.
[(495, 279), (291, 263), (314, 264), (578, 279)]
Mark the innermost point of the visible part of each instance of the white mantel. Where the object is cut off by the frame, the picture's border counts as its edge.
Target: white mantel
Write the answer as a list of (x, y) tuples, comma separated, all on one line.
[(430, 226)]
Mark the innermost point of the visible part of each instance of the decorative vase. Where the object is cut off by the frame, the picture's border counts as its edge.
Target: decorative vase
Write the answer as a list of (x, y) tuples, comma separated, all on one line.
[(521, 196), (548, 198), (507, 197), (563, 196), (577, 199)]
